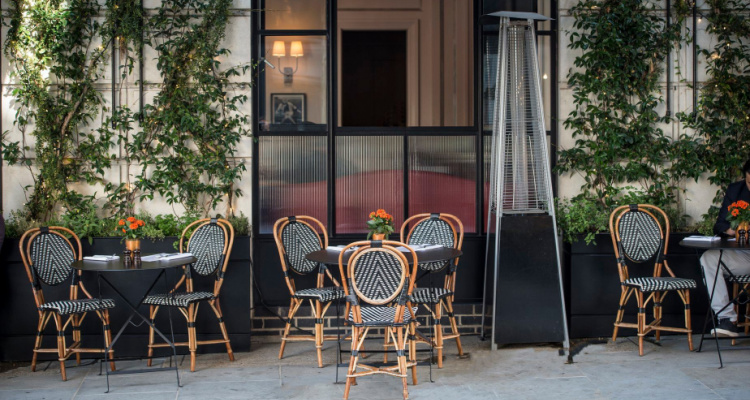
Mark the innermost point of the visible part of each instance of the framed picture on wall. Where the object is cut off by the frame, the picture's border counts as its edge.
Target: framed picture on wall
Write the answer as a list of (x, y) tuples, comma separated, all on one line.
[(288, 108)]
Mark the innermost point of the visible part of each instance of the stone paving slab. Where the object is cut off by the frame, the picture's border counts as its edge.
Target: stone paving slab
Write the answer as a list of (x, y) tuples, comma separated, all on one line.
[(602, 370)]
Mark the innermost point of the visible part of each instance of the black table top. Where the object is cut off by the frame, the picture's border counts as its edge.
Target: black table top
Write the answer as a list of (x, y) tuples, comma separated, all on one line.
[(331, 256), (723, 244), (118, 265)]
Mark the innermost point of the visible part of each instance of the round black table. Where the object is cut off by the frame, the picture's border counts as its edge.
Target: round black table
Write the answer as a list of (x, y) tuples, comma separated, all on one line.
[(117, 265), (330, 256), (721, 245)]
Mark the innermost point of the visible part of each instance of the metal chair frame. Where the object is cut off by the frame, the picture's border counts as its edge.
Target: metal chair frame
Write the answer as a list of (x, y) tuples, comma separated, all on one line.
[(319, 308), (74, 320), (449, 282), (656, 296), (191, 311)]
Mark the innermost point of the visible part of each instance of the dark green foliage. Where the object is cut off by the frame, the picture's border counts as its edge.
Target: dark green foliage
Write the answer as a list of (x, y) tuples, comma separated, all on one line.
[(192, 128), (615, 123), (723, 114)]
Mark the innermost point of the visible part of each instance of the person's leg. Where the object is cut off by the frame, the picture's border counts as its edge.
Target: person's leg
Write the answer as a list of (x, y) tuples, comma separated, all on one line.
[(738, 261)]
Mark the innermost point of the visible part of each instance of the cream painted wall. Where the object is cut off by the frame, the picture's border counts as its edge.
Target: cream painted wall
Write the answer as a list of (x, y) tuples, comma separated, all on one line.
[(237, 40), (698, 195)]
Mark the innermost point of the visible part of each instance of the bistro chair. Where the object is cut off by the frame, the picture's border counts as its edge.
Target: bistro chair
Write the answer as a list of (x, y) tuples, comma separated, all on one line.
[(378, 285), (47, 254), (638, 237), (448, 231), (296, 237), (210, 241), (740, 284)]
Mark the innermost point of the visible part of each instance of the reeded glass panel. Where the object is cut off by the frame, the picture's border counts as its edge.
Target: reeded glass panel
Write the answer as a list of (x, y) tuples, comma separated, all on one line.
[(295, 89), (443, 177), (489, 79), (369, 176), (291, 178), (294, 14)]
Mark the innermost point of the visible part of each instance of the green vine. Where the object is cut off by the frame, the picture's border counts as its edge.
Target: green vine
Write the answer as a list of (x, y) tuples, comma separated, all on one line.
[(615, 123), (191, 130), (722, 117), (58, 50)]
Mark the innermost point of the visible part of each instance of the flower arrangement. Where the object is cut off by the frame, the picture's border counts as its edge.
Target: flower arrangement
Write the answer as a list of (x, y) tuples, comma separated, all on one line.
[(739, 211), (131, 227), (380, 223)]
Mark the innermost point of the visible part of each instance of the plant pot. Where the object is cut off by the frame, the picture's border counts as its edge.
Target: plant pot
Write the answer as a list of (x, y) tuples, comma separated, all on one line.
[(133, 244), (378, 236)]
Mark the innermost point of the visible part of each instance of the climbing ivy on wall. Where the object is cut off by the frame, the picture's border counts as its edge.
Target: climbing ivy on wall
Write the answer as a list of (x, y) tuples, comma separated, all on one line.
[(58, 51), (190, 131), (722, 117), (620, 150)]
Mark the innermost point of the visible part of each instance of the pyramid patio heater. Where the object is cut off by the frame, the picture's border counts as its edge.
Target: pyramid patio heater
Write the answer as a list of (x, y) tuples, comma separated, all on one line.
[(523, 297)]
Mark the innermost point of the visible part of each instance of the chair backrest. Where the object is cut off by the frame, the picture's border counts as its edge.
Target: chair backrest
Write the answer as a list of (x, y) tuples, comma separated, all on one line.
[(378, 273), (210, 241), (638, 235), (296, 237), (47, 255), (435, 228)]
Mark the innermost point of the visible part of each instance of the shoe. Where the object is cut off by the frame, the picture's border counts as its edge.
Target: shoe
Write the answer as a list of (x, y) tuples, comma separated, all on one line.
[(726, 328)]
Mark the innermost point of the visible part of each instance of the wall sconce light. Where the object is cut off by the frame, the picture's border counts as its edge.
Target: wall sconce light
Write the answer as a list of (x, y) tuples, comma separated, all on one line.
[(295, 50)]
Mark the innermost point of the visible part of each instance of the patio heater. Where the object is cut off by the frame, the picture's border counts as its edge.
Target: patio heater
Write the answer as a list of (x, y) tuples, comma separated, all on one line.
[(523, 297)]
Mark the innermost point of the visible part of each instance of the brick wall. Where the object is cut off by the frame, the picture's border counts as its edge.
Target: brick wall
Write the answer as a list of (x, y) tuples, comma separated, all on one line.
[(265, 323)]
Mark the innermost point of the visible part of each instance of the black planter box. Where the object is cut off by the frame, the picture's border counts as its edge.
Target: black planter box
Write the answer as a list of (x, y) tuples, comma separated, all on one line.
[(19, 315), (593, 287)]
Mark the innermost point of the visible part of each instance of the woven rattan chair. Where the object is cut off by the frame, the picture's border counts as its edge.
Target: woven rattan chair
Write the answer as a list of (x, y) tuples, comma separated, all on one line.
[(378, 287), (741, 282), (638, 236), (296, 237), (47, 255), (210, 241), (448, 231)]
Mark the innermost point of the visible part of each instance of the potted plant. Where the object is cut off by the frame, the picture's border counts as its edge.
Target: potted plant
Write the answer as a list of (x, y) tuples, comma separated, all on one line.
[(380, 225)]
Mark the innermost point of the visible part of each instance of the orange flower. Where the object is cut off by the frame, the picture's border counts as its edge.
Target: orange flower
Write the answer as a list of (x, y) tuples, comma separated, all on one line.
[(133, 226), (742, 204), (124, 231), (735, 212), (131, 219), (372, 215), (140, 222), (121, 222)]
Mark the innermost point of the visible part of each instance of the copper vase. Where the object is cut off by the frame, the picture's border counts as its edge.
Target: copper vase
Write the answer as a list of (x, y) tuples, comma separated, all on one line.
[(378, 236), (133, 244)]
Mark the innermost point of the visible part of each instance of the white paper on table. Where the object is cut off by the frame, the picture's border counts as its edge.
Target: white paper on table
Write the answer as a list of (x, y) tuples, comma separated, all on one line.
[(340, 247), (99, 257), (165, 256), (700, 238)]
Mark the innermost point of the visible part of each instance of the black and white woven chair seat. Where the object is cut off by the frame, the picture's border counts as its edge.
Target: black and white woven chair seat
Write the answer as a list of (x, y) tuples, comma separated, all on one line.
[(324, 294), (429, 295), (380, 316), (651, 284), (64, 307), (743, 279), (177, 299)]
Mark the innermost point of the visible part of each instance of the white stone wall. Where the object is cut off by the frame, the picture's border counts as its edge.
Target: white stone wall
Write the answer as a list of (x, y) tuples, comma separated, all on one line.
[(698, 195), (238, 40)]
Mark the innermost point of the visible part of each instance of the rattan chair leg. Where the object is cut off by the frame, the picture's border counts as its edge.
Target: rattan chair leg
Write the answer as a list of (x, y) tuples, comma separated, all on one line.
[(293, 306), (454, 325), (688, 319), (319, 332), (76, 324), (61, 346), (439, 333), (352, 361), (401, 358), (620, 312), (658, 297), (386, 344), (641, 322), (222, 326), (38, 342), (191, 335), (413, 351)]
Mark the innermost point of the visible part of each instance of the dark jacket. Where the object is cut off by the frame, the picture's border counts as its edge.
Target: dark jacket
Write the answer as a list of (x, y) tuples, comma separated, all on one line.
[(735, 191)]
